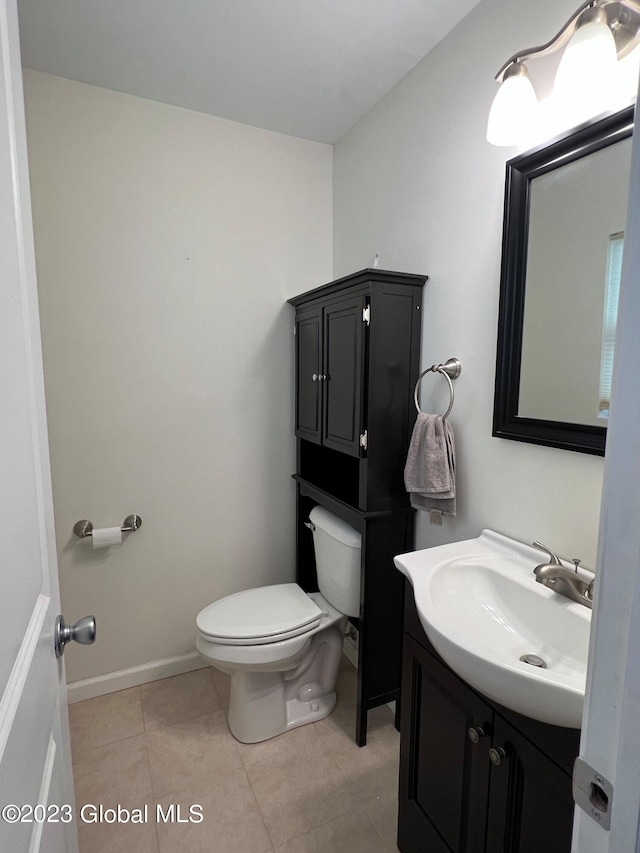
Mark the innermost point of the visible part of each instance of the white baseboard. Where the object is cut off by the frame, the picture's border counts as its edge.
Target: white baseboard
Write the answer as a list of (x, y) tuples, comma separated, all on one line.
[(88, 688)]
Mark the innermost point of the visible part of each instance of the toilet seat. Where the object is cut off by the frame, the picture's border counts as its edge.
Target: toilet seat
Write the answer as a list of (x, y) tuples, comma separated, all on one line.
[(267, 614)]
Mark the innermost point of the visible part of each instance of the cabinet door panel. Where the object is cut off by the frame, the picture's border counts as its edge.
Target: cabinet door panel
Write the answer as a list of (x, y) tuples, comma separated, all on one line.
[(531, 805), (343, 367), (308, 364), (443, 776)]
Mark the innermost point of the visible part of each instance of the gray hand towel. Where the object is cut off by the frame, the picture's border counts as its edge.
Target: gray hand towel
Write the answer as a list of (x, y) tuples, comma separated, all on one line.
[(429, 474)]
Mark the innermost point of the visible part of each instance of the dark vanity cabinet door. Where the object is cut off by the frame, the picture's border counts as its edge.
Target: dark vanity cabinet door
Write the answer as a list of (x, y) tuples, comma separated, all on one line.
[(476, 777), (308, 355), (531, 806), (343, 382), (444, 778)]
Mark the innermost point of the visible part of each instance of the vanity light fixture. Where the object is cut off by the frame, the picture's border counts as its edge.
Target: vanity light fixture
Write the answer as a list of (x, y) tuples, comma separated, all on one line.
[(597, 36), (514, 106)]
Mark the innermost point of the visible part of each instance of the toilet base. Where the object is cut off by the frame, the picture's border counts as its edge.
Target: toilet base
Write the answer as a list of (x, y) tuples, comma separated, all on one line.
[(264, 704), (250, 724)]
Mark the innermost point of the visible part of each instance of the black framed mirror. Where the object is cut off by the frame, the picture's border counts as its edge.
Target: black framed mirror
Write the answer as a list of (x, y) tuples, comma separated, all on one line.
[(564, 218)]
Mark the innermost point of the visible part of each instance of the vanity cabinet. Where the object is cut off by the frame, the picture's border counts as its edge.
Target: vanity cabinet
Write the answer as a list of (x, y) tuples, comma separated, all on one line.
[(474, 776), (357, 358)]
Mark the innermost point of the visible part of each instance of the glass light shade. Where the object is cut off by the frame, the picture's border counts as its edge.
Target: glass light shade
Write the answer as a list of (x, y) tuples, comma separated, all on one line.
[(626, 82), (513, 111), (585, 76)]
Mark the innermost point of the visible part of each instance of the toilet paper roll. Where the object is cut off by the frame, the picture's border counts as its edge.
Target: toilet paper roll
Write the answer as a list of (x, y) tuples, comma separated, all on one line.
[(105, 536)]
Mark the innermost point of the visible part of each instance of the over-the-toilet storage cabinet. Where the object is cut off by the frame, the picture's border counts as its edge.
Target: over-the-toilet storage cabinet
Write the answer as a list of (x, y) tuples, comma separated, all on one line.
[(357, 352)]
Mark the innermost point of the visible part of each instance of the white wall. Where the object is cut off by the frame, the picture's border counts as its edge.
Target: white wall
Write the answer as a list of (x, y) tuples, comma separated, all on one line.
[(167, 243), (417, 181)]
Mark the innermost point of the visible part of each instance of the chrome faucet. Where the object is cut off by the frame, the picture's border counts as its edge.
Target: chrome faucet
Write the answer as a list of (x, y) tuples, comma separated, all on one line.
[(562, 580)]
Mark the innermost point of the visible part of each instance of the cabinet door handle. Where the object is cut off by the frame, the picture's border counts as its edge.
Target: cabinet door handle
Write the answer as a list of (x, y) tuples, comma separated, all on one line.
[(475, 733), (497, 755)]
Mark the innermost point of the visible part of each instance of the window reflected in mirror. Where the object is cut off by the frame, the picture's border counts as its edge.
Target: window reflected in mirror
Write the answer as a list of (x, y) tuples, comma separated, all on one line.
[(612, 292)]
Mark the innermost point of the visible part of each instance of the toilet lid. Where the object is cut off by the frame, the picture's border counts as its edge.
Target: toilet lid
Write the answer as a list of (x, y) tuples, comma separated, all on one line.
[(266, 614)]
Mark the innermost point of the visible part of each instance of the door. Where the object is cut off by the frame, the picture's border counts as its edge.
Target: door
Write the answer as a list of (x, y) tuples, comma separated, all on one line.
[(610, 732), (531, 804), (329, 355), (308, 360), (35, 764), (444, 768), (343, 369)]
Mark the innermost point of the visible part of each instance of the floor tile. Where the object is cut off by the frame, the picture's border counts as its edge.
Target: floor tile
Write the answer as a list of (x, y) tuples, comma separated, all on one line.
[(191, 752), (350, 833), (118, 837), (105, 719), (108, 776), (117, 773), (288, 744), (298, 791), (383, 811), (309, 789), (372, 770), (222, 683), (178, 698), (231, 822)]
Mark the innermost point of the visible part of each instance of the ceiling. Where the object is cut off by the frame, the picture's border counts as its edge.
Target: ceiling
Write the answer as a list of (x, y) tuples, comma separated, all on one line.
[(309, 68)]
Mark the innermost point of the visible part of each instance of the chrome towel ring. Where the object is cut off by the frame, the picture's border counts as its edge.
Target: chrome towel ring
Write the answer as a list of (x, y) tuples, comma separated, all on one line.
[(451, 369)]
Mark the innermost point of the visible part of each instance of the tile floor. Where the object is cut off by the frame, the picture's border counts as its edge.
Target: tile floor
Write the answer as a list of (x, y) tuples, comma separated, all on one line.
[(311, 790)]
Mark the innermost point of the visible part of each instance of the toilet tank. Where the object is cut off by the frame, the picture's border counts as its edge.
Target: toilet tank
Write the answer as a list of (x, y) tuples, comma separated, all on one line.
[(337, 547)]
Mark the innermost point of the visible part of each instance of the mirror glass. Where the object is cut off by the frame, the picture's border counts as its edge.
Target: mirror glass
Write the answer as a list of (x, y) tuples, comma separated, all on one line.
[(565, 211)]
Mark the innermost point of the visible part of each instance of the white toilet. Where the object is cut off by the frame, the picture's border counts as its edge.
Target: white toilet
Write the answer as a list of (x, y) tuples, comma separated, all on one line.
[(282, 646)]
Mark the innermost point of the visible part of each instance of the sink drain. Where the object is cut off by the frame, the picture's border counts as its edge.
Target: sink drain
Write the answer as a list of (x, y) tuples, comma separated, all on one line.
[(534, 660)]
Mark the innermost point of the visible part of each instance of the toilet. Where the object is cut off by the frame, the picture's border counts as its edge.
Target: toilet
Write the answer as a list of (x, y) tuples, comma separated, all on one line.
[(282, 646)]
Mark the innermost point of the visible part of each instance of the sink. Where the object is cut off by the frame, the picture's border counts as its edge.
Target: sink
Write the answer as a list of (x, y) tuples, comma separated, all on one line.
[(481, 608)]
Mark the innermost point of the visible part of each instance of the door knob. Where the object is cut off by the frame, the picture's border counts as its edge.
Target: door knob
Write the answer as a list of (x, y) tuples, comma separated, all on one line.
[(83, 632)]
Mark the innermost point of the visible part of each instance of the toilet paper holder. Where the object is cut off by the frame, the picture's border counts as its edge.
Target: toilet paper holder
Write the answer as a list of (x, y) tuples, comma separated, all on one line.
[(84, 528)]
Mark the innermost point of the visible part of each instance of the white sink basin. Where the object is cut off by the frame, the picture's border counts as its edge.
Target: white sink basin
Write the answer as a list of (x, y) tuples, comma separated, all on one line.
[(481, 608)]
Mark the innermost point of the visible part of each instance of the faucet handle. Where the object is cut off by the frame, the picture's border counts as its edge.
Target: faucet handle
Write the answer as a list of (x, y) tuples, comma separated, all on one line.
[(555, 560)]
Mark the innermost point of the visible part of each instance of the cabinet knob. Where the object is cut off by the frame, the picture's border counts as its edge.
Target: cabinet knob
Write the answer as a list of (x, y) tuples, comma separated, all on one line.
[(314, 377), (475, 733), (497, 755)]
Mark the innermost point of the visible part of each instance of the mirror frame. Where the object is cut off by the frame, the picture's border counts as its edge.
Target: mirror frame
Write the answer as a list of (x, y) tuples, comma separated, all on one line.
[(520, 172)]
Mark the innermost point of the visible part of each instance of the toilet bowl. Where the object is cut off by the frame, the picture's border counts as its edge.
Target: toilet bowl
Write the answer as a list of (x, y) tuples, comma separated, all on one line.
[(281, 646)]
